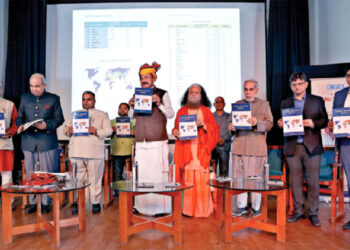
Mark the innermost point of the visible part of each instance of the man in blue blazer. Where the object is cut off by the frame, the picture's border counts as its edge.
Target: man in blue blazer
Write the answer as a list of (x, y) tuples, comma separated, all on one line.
[(304, 152), (39, 142), (342, 99)]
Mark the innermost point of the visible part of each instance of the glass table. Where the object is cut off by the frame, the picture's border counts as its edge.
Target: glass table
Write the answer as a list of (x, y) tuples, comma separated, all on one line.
[(234, 224), (132, 224), (53, 227)]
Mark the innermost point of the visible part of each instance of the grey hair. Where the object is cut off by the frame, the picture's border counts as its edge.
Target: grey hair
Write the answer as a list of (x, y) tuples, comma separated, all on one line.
[(219, 97), (42, 77), (256, 85)]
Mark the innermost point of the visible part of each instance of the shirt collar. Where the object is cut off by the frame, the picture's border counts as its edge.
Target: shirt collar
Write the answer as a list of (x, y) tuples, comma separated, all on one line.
[(302, 99)]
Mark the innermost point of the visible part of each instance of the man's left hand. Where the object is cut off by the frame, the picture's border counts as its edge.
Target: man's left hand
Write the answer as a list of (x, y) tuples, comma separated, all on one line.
[(40, 125), (253, 121), (92, 130), (308, 123), (221, 141), (7, 135), (156, 99)]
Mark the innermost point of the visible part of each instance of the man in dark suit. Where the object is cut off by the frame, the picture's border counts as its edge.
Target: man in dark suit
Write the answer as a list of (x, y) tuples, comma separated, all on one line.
[(39, 142), (342, 99), (304, 152)]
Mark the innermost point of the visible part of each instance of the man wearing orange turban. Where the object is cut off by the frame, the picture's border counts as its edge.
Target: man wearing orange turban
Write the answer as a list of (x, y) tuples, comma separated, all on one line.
[(152, 142)]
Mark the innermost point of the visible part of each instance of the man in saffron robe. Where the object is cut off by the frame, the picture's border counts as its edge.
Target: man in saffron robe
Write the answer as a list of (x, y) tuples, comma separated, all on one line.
[(192, 157)]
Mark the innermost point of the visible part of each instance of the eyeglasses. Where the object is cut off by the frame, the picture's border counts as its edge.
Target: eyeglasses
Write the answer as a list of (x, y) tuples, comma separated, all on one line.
[(297, 84), (347, 75)]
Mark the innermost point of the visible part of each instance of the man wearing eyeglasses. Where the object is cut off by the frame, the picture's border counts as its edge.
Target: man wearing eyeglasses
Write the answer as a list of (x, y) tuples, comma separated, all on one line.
[(304, 152), (342, 99)]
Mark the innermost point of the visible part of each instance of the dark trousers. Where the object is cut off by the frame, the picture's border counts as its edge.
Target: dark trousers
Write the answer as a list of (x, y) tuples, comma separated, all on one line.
[(118, 166), (299, 163), (345, 160), (222, 156)]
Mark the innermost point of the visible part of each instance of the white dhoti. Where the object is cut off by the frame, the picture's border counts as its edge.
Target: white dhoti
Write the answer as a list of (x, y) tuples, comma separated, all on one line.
[(152, 159)]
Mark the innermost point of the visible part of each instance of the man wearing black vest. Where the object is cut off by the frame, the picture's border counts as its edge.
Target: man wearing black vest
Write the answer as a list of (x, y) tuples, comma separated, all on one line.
[(152, 142), (304, 152)]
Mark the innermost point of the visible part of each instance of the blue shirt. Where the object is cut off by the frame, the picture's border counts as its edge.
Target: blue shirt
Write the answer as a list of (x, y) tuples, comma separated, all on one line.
[(300, 104)]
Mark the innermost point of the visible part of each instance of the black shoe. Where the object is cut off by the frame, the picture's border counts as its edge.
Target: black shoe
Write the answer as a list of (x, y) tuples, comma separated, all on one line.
[(135, 211), (115, 193), (315, 221), (238, 212), (45, 209), (13, 207), (96, 208), (30, 209), (295, 217), (256, 212), (347, 225), (74, 208), (161, 215)]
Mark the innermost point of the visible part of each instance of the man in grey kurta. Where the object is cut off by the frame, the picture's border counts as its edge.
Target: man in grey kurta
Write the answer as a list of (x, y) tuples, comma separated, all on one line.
[(221, 153), (39, 142), (250, 145)]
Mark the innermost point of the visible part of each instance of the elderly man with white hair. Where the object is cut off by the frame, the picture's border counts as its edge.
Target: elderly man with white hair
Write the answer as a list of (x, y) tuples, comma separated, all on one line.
[(8, 114), (39, 142), (250, 145)]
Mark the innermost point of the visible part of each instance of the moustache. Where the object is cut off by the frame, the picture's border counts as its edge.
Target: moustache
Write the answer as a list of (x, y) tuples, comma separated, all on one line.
[(144, 83)]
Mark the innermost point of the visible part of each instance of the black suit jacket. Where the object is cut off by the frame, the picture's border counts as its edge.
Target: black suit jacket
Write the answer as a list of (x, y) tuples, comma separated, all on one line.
[(315, 110)]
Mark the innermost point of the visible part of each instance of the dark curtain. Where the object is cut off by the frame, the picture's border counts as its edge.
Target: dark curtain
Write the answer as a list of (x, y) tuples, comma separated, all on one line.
[(25, 53), (287, 47)]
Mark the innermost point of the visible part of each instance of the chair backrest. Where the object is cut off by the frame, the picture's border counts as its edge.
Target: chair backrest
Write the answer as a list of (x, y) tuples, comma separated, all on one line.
[(275, 156), (327, 159)]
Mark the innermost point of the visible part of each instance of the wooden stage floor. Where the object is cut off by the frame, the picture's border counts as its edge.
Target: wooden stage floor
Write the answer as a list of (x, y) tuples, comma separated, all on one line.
[(102, 232)]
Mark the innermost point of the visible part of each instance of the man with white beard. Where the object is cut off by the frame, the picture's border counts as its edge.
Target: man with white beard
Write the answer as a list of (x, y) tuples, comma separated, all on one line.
[(192, 157)]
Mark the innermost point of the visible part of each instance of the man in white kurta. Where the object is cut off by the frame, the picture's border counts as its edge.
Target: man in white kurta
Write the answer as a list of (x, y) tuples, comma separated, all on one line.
[(152, 142), (88, 151)]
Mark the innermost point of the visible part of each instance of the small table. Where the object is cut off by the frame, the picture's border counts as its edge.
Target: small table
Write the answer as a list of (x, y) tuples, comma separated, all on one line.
[(53, 227), (234, 224), (132, 224)]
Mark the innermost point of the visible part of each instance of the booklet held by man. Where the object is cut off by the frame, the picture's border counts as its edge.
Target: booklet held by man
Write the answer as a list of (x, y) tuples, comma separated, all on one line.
[(241, 112), (341, 119), (81, 123), (292, 122), (29, 124), (188, 127), (122, 127), (143, 100), (2, 125)]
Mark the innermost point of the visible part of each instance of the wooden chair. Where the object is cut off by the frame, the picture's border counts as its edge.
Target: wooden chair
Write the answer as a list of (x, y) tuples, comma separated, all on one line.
[(24, 178), (331, 182)]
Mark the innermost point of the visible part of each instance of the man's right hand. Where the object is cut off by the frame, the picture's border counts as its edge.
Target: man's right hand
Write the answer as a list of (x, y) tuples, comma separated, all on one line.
[(280, 123), (132, 102), (231, 127), (20, 129), (70, 130), (331, 125)]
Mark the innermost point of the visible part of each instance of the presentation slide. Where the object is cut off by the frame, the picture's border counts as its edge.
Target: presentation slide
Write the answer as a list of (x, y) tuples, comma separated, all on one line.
[(100, 47), (192, 46)]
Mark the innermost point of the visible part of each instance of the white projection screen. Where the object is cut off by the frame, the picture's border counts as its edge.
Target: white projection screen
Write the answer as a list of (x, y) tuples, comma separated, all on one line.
[(100, 47)]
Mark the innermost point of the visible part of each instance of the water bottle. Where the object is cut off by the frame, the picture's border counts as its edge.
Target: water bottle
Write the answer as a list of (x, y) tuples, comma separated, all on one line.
[(240, 170), (135, 172), (173, 179), (266, 171), (37, 167)]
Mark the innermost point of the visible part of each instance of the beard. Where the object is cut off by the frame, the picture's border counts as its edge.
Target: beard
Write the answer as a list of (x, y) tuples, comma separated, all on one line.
[(193, 102)]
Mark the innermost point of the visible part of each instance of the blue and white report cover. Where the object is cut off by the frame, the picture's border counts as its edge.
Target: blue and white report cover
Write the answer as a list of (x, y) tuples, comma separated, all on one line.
[(188, 127), (292, 122), (2, 124), (241, 112), (81, 123), (143, 100), (123, 126), (341, 119)]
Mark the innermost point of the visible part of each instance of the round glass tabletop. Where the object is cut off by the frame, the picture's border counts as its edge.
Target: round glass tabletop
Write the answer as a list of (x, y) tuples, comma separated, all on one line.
[(246, 185), (148, 187), (51, 188)]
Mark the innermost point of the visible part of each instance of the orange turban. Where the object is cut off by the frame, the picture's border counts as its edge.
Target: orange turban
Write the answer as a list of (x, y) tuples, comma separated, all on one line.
[(149, 69)]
